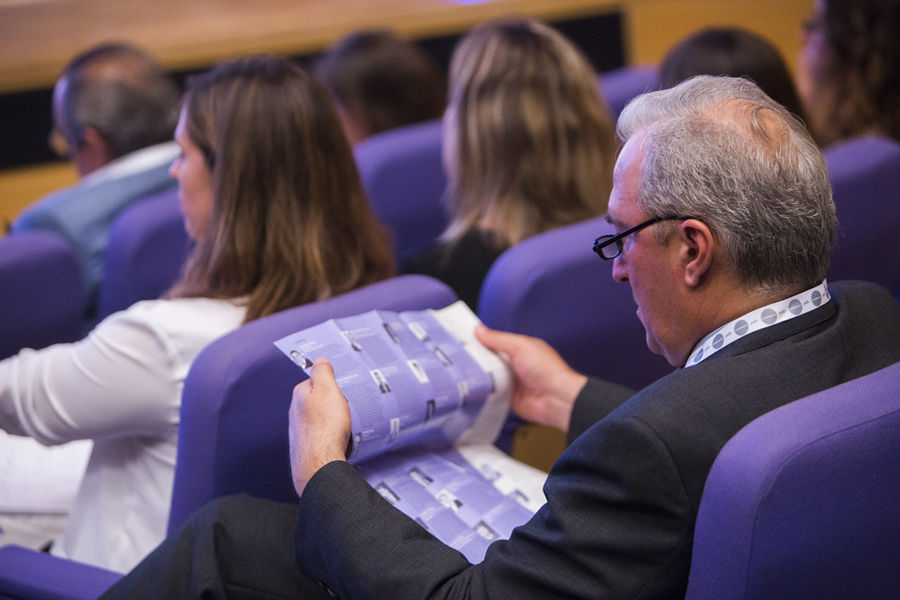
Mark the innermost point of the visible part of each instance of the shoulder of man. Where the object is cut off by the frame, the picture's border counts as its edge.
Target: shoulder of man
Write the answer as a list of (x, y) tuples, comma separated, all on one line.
[(782, 363)]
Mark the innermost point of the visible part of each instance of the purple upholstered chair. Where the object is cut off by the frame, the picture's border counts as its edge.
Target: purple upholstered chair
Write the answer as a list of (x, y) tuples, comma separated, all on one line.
[(554, 287), (804, 502), (29, 575), (41, 293), (146, 250), (233, 430), (621, 85), (865, 177), (402, 172)]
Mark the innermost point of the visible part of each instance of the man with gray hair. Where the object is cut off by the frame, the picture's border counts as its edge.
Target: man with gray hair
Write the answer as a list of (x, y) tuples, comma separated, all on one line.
[(114, 114), (725, 223)]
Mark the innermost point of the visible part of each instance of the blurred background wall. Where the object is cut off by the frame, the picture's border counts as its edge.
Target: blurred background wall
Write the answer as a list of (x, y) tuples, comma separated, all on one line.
[(37, 38)]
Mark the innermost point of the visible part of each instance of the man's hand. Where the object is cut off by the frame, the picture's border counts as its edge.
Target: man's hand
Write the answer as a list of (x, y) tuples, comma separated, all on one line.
[(546, 386), (319, 425)]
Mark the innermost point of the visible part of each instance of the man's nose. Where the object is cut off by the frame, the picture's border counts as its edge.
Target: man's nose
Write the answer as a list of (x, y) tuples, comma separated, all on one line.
[(619, 271)]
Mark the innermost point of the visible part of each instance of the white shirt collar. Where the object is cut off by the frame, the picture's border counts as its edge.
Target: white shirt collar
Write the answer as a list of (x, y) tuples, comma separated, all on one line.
[(766, 316), (134, 162)]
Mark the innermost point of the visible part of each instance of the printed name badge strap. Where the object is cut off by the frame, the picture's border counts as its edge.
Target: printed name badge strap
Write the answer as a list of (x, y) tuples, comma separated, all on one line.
[(775, 313)]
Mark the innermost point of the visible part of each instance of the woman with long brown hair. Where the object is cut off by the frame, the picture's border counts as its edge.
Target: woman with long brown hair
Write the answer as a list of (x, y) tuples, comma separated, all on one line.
[(270, 193), (529, 145)]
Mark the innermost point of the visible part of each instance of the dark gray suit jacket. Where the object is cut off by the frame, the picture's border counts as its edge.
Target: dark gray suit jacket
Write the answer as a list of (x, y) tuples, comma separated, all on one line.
[(622, 499)]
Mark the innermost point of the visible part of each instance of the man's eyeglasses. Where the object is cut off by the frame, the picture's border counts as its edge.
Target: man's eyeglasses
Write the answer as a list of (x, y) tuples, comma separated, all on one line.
[(610, 246)]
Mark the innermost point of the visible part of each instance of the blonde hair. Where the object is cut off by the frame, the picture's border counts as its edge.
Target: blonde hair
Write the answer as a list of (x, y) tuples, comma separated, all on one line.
[(290, 223), (533, 141)]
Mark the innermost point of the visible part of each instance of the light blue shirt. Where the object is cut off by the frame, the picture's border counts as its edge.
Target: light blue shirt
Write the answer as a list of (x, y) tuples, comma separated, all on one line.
[(83, 213)]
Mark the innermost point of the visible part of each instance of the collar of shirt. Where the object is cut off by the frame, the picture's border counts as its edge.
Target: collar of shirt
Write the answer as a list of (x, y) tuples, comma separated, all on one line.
[(134, 162), (766, 316)]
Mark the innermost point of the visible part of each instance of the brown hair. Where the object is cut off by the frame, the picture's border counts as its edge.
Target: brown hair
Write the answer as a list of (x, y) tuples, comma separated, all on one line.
[(531, 140), (857, 83), (290, 223), (382, 81), (733, 52)]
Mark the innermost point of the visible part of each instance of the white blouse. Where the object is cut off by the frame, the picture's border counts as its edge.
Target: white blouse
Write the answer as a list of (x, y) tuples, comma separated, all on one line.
[(121, 387)]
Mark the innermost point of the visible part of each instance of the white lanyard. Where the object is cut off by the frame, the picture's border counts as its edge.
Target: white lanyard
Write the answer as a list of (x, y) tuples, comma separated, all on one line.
[(778, 312)]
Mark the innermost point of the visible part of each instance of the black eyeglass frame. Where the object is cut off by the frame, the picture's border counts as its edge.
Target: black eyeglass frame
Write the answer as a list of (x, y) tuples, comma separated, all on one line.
[(606, 240)]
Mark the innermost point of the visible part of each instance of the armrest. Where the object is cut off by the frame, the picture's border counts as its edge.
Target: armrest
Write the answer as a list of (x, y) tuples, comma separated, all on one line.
[(30, 575)]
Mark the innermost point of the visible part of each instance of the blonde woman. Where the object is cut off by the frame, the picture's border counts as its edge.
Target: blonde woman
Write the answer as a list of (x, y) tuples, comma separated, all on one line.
[(270, 193), (529, 145)]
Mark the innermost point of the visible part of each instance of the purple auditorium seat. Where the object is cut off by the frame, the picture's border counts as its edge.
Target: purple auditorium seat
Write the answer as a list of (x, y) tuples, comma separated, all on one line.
[(146, 250), (233, 427), (41, 293), (804, 502), (233, 430), (621, 85), (29, 575), (865, 177), (554, 287), (403, 175)]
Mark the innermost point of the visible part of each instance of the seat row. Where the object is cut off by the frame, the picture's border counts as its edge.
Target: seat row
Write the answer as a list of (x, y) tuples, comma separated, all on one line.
[(801, 499)]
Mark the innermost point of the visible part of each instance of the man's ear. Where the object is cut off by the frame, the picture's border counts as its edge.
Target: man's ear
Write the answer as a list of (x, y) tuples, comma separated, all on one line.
[(697, 250), (92, 153)]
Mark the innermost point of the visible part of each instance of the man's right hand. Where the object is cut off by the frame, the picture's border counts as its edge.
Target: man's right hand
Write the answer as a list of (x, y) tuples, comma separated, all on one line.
[(545, 387), (319, 424)]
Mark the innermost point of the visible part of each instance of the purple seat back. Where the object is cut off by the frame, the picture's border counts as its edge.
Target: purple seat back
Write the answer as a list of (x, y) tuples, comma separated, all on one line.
[(554, 287), (29, 575), (621, 85), (41, 292), (146, 250), (233, 430), (804, 502), (403, 175), (865, 177)]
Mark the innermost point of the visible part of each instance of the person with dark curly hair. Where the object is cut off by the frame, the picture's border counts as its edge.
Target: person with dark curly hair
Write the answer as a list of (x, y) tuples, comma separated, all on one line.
[(848, 75)]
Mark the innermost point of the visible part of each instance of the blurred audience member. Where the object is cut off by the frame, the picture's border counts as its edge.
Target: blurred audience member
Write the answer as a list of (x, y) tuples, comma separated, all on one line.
[(736, 53), (529, 145), (848, 74), (114, 110), (379, 82), (270, 192)]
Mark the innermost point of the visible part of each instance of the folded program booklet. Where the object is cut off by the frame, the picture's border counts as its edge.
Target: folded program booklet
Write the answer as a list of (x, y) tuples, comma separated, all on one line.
[(427, 401)]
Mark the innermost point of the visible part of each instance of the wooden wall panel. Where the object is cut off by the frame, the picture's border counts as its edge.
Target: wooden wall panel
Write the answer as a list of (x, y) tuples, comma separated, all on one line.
[(653, 26)]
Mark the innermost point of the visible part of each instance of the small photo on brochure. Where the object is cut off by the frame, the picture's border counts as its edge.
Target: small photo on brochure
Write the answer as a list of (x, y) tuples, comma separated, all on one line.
[(351, 340), (417, 370), (301, 359), (379, 378), (419, 477), (419, 331), (390, 331), (386, 493)]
